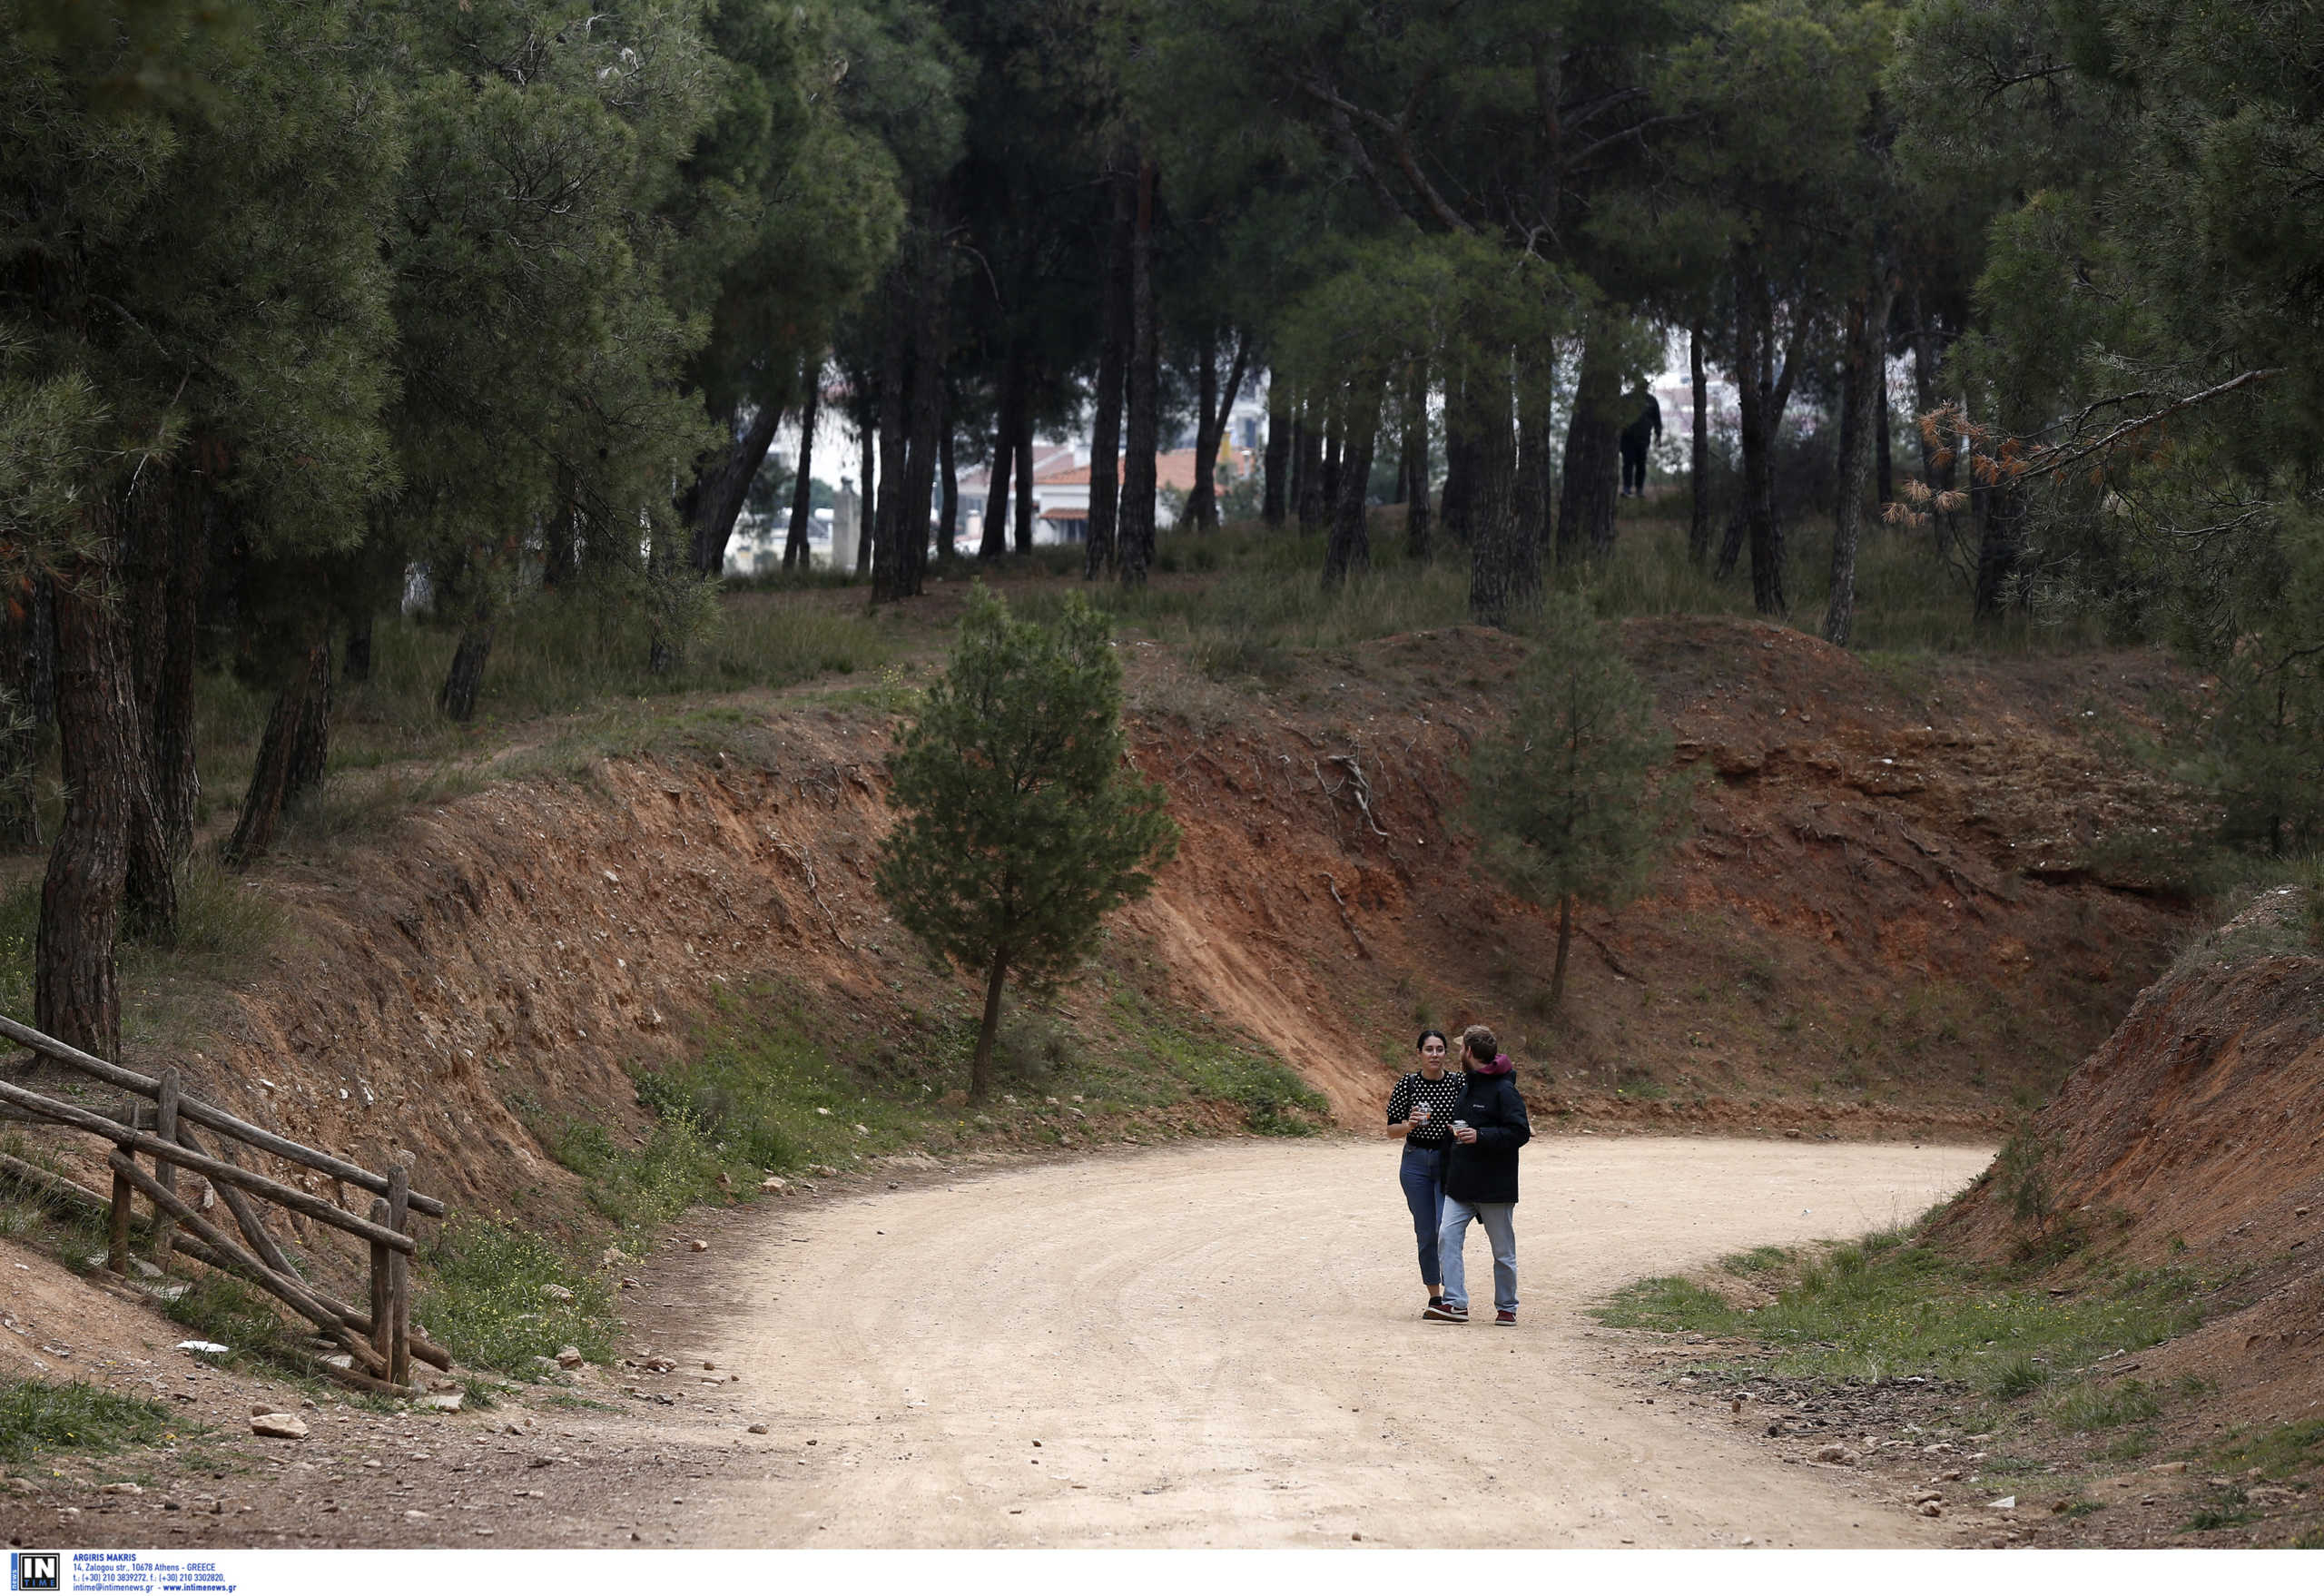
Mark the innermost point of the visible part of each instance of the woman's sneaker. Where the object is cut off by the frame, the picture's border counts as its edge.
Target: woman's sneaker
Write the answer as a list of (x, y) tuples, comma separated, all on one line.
[(1445, 1313), (1505, 1316)]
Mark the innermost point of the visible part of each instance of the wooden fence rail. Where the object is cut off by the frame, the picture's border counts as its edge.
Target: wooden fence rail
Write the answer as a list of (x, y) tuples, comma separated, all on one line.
[(380, 1343)]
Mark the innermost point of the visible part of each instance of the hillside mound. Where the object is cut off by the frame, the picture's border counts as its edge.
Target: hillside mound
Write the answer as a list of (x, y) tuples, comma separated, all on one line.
[(1884, 922), (2193, 1139)]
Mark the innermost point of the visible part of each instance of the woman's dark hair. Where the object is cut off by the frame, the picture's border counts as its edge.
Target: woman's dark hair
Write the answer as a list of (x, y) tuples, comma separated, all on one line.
[(1422, 1040), (1479, 1043)]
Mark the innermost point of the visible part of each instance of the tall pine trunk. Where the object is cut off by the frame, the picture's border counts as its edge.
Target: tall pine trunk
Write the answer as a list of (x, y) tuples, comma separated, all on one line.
[(932, 331), (1214, 406), (1763, 377), (1863, 402), (1350, 548), (1452, 507), (1698, 455), (721, 483), (888, 559), (1275, 500), (803, 488), (994, 542), (1144, 422), (875, 485), (987, 1027), (948, 515), (1593, 454), (77, 995), (1413, 467), (1315, 503), (1530, 526), (1489, 494), (457, 698), (1023, 542), (1113, 354), (296, 729)]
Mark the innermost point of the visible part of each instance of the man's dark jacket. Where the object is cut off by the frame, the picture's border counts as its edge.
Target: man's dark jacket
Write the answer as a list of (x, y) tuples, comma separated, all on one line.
[(1485, 1170)]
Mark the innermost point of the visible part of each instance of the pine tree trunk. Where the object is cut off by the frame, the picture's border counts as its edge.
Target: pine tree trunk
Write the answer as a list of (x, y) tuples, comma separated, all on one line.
[(1350, 549), (1530, 526), (931, 329), (980, 1067), (1023, 542), (1762, 391), (948, 517), (994, 543), (1489, 494), (1862, 399), (76, 996), (1699, 456), (1315, 505), (356, 664), (1334, 447), (1098, 559), (1144, 420), (1884, 493), (1274, 501), (720, 484), (2001, 513), (1201, 512), (285, 752), (174, 775), (1418, 543), (19, 728), (1565, 945), (457, 698), (874, 485), (1593, 455), (1452, 507), (795, 554), (1202, 502), (888, 559)]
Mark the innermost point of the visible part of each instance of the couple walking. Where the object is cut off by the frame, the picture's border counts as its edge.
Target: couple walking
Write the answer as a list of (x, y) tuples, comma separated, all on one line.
[(1462, 1131)]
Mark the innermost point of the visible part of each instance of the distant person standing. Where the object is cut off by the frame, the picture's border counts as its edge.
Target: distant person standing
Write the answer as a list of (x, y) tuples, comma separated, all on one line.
[(1637, 438), (1420, 1109), (1488, 1125)]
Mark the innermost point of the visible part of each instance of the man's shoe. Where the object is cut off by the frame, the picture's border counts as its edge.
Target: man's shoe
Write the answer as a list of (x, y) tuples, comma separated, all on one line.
[(1505, 1316), (1444, 1313)]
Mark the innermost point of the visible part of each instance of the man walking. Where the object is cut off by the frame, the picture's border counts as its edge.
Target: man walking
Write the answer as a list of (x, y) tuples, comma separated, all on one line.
[(1488, 1125), (1637, 438)]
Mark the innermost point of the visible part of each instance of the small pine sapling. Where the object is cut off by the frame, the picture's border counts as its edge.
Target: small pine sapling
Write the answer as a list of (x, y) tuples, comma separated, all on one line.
[(1575, 799), (1021, 824)]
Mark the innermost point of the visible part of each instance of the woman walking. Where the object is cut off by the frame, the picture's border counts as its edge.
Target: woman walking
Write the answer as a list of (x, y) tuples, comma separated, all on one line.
[(1488, 1125), (1420, 1109)]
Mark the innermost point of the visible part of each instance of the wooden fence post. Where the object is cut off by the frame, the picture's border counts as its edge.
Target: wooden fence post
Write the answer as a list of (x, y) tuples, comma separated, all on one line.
[(379, 1282), (117, 1221), (165, 1126), (399, 1347)]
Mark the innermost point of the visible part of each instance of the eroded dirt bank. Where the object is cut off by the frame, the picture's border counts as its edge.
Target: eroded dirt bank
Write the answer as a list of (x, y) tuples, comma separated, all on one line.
[(1886, 920)]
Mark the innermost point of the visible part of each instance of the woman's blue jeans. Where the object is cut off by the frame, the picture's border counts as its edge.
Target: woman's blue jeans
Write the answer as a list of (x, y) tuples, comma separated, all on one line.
[(1421, 1175)]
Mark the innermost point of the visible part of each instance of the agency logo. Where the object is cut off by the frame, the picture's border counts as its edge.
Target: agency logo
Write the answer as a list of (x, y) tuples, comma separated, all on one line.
[(36, 1570)]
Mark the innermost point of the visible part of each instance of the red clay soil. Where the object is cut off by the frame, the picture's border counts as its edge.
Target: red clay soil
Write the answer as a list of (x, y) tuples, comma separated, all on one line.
[(2195, 1139), (1884, 921)]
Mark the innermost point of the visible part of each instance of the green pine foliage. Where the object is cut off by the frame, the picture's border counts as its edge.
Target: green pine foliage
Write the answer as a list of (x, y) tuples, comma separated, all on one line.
[(1574, 800), (1021, 823)]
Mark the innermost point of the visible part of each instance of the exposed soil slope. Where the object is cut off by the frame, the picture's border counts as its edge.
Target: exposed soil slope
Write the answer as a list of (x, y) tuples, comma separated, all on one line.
[(1881, 924), (2195, 1138)]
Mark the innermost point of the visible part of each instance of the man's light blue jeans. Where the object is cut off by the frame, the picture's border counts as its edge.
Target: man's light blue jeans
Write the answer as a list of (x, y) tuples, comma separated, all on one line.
[(1499, 1221)]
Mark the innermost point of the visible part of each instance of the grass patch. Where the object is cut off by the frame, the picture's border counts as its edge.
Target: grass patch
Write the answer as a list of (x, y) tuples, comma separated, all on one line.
[(2092, 1406), (37, 1418), (243, 1319), (496, 1297), (1890, 1305), (2277, 1454)]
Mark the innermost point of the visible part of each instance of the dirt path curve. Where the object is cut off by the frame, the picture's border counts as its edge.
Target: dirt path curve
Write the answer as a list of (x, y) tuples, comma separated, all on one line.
[(1219, 1345)]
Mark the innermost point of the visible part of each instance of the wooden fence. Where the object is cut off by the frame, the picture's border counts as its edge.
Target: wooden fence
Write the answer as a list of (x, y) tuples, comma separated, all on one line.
[(160, 1123)]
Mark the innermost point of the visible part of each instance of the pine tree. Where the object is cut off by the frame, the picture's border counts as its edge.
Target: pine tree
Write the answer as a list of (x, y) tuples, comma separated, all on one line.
[(1021, 824), (1574, 801)]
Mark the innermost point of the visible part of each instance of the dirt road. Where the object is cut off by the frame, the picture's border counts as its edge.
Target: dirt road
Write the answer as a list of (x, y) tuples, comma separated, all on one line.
[(1220, 1346)]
